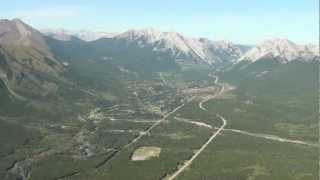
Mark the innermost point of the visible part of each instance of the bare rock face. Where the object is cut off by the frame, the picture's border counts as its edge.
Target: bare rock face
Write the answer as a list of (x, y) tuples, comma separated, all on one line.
[(283, 49), (203, 51), (26, 63)]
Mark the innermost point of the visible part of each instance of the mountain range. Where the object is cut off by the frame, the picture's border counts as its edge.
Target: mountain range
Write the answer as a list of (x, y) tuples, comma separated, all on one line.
[(201, 49), (66, 35), (282, 48), (33, 62)]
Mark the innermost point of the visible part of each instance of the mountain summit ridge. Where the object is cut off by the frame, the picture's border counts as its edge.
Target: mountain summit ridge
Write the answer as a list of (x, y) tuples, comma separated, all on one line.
[(206, 51), (174, 44), (200, 49), (281, 48)]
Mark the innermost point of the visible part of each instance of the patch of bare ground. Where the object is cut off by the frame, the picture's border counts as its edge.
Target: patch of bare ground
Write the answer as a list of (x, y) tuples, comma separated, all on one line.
[(145, 153)]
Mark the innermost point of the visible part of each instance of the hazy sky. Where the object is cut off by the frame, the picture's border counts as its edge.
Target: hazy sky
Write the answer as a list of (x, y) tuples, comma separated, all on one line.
[(243, 21)]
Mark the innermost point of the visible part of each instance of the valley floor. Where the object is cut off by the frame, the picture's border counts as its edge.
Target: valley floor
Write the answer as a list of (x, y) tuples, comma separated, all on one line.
[(191, 141)]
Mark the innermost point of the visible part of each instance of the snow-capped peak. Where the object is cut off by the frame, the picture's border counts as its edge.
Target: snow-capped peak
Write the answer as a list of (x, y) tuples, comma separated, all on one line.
[(66, 35), (281, 48), (201, 49), (165, 40), (150, 35)]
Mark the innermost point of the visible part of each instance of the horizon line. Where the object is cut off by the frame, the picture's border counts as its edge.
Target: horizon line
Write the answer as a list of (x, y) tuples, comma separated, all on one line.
[(42, 29)]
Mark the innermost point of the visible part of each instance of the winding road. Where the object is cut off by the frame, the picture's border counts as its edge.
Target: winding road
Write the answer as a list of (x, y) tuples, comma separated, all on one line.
[(203, 147), (214, 96)]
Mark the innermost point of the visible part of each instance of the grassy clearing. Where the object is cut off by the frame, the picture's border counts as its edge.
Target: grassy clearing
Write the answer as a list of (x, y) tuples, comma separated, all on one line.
[(145, 153)]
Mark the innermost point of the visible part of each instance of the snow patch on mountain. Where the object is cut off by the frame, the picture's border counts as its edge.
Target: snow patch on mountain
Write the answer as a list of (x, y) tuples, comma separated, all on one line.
[(199, 49), (66, 35), (150, 36), (281, 48)]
